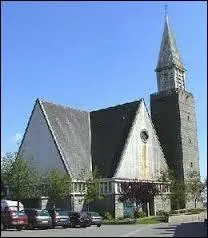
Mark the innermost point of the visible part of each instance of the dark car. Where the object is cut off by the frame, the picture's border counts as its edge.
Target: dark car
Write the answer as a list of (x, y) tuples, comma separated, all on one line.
[(59, 218), (96, 218), (80, 219), (13, 219), (38, 218)]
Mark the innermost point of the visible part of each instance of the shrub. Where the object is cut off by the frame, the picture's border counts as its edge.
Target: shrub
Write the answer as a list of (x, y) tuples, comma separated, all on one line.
[(148, 220), (173, 212), (108, 216), (139, 214), (194, 210), (163, 216)]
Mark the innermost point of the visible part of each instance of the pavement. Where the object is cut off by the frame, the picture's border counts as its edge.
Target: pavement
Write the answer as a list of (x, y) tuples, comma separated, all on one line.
[(191, 229)]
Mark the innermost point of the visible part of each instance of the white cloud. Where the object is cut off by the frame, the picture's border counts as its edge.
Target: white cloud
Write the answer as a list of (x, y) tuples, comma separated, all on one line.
[(16, 138)]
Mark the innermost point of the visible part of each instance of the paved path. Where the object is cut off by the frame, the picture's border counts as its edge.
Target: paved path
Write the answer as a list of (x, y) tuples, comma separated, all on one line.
[(193, 229)]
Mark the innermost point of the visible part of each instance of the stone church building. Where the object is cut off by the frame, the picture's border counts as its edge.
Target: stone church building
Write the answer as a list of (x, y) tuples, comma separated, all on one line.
[(123, 142)]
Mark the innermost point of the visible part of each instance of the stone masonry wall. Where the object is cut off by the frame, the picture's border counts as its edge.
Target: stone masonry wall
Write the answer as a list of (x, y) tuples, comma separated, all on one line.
[(188, 133)]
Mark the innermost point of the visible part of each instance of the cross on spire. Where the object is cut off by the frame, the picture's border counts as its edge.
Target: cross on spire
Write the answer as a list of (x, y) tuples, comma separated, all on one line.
[(166, 9)]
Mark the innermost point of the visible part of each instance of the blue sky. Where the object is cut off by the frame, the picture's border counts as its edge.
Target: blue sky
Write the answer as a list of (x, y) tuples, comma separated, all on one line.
[(91, 55)]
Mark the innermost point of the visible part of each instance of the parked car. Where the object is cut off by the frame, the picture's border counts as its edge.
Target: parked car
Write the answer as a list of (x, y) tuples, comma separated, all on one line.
[(13, 205), (80, 219), (12, 216), (59, 218), (13, 219), (38, 218), (96, 218)]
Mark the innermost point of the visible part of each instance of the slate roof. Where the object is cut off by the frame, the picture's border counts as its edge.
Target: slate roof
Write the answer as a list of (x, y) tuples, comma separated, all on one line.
[(71, 128), (89, 140), (169, 53), (109, 131)]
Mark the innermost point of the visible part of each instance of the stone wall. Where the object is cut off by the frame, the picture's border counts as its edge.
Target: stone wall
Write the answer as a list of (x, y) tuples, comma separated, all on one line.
[(162, 204), (77, 202), (178, 137), (173, 115), (188, 133)]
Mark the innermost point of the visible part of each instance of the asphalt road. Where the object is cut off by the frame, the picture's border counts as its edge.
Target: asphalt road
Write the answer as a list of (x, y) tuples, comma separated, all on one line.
[(194, 229)]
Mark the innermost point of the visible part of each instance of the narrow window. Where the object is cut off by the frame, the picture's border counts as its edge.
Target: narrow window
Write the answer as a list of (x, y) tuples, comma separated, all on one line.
[(106, 187), (188, 118), (189, 140), (191, 164)]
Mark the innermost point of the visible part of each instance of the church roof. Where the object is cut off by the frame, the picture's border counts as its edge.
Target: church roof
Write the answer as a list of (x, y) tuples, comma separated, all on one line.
[(109, 130), (71, 132), (89, 140), (169, 54)]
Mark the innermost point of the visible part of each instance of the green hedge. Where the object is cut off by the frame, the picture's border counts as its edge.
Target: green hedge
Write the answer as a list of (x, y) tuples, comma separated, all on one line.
[(145, 220)]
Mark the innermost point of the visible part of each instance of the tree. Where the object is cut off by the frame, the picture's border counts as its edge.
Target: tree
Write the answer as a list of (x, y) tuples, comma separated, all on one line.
[(138, 192), (194, 187), (92, 187), (165, 180), (57, 185), (6, 163), (19, 176), (177, 189)]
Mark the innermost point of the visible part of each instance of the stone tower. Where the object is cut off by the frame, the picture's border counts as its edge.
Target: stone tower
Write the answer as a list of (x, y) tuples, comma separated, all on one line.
[(173, 110)]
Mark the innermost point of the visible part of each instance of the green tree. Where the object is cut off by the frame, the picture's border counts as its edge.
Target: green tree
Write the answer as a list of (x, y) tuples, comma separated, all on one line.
[(177, 189), (6, 163), (19, 176), (194, 187), (57, 186), (92, 187)]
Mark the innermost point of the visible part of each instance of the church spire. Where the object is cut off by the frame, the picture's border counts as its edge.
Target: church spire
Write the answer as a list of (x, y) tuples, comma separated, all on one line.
[(169, 61), (169, 53)]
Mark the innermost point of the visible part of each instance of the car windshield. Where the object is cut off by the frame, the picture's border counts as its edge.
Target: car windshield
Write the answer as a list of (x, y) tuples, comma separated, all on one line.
[(18, 213), (43, 213), (62, 213), (93, 214)]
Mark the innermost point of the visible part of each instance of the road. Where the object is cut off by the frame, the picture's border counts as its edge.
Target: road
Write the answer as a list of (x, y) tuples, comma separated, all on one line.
[(194, 229)]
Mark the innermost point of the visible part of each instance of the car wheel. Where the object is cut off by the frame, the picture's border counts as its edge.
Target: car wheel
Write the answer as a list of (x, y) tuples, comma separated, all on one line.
[(5, 226), (19, 228), (98, 225), (30, 226)]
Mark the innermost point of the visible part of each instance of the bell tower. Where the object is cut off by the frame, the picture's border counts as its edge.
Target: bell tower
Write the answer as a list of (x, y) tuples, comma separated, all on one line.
[(170, 70), (173, 110)]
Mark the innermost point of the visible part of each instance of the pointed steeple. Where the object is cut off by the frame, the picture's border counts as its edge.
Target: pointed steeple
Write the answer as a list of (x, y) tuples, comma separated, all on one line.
[(169, 54), (170, 70)]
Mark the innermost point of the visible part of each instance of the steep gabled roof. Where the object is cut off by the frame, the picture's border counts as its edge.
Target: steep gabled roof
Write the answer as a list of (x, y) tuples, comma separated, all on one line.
[(71, 132), (169, 53), (109, 131)]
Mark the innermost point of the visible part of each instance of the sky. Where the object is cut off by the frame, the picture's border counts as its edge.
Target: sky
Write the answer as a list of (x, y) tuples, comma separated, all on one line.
[(92, 55)]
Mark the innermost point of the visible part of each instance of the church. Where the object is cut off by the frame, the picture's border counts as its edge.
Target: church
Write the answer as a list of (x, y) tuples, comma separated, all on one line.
[(123, 142)]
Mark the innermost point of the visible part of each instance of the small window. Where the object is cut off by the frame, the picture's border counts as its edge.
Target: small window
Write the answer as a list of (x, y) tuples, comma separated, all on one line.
[(191, 164), (189, 140), (188, 118), (75, 187)]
